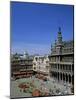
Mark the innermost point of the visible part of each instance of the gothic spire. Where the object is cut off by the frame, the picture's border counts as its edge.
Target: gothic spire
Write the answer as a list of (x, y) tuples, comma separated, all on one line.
[(59, 36)]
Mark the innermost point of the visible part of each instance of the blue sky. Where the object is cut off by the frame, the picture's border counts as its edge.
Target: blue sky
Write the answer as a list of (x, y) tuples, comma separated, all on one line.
[(34, 27)]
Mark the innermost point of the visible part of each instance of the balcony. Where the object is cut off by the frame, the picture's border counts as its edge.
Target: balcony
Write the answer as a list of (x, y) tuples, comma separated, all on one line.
[(62, 71), (63, 63)]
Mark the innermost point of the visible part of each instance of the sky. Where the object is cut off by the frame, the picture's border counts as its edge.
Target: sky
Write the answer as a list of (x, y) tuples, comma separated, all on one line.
[(34, 26)]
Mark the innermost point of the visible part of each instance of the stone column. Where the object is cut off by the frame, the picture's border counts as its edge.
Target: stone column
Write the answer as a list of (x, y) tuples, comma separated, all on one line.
[(65, 77), (65, 72), (57, 71), (62, 73), (59, 58), (68, 78), (71, 79), (59, 76), (71, 68)]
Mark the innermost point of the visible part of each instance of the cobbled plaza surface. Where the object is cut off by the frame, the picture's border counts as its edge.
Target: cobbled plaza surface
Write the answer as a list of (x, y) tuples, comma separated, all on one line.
[(51, 86)]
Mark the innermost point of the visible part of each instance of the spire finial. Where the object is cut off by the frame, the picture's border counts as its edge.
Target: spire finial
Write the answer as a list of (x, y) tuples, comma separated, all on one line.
[(59, 29), (59, 36)]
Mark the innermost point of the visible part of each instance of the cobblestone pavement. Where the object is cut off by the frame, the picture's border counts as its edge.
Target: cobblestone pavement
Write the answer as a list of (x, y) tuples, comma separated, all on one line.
[(51, 86)]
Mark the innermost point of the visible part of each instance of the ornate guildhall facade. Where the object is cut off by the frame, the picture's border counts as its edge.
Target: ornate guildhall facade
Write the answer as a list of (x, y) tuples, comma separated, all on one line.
[(62, 60)]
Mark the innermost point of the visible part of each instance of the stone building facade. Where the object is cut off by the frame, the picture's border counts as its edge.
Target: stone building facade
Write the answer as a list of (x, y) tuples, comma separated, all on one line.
[(62, 60), (21, 66), (41, 64)]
